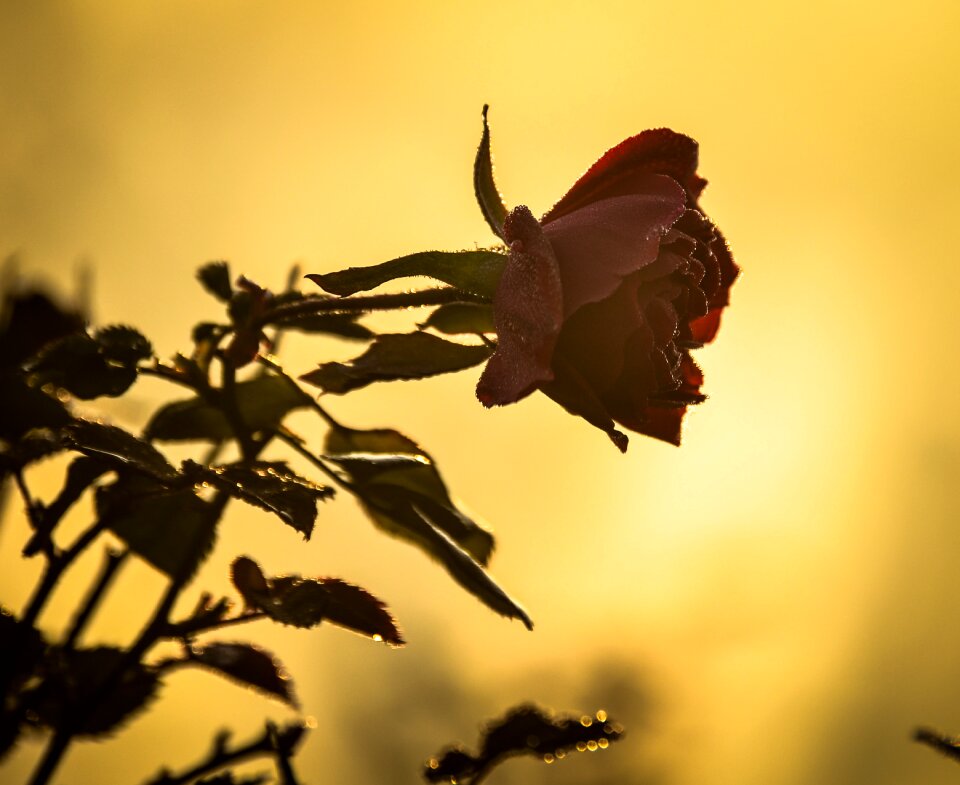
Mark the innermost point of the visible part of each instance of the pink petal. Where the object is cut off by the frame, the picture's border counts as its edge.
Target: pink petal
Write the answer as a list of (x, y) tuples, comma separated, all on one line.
[(527, 314), (599, 245)]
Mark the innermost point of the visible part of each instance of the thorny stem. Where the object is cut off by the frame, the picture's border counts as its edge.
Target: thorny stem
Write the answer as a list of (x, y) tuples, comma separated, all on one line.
[(189, 627), (293, 441), (231, 409), (271, 363), (373, 302)]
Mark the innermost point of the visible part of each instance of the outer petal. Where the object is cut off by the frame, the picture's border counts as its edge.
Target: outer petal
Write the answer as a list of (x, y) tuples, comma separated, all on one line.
[(604, 242), (621, 170), (527, 314)]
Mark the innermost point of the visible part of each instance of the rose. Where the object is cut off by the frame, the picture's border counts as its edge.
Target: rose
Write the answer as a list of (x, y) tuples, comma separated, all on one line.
[(602, 300)]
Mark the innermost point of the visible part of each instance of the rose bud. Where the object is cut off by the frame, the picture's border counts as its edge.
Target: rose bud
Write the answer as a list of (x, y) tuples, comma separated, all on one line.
[(602, 300)]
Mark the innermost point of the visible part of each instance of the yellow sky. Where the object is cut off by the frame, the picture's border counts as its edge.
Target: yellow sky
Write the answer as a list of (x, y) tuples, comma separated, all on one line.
[(778, 590)]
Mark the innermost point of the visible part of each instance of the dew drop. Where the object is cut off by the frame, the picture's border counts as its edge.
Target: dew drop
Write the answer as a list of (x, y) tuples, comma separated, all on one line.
[(592, 745), (377, 637), (603, 743), (586, 720), (309, 721), (433, 763), (601, 716), (561, 754), (548, 758), (581, 747)]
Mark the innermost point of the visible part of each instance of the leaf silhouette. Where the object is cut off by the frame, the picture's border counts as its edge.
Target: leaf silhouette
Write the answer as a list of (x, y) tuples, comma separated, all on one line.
[(270, 486), (525, 730), (488, 197), (215, 278), (93, 366), (476, 272), (306, 602), (247, 664), (461, 319), (119, 448), (23, 408), (78, 688), (173, 530), (397, 356), (263, 402), (396, 474)]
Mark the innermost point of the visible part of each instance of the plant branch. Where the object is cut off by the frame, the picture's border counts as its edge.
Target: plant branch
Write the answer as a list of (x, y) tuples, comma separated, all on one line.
[(374, 302), (221, 756), (945, 745), (112, 562)]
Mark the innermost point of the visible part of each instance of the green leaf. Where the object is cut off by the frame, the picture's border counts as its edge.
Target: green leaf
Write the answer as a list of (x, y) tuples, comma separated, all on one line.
[(305, 602), (263, 402), (488, 197), (74, 677), (398, 475), (215, 278), (397, 356), (173, 530), (248, 665), (269, 486), (118, 448), (476, 272), (461, 319)]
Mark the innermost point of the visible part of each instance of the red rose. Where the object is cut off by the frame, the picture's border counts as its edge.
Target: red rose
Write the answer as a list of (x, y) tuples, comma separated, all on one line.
[(602, 300)]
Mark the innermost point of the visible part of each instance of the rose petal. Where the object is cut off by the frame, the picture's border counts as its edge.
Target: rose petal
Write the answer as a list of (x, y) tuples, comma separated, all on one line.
[(572, 392), (600, 245), (527, 314), (621, 170)]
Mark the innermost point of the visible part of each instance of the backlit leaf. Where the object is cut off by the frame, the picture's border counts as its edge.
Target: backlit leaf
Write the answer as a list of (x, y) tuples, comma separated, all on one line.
[(248, 665), (263, 402), (525, 730), (306, 602), (119, 448), (488, 197), (173, 530), (73, 677), (397, 356), (272, 487), (475, 272), (395, 474), (461, 319)]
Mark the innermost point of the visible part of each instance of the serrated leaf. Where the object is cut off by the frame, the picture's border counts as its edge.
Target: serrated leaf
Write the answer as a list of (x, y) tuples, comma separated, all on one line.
[(488, 197), (247, 664), (272, 487), (74, 677), (306, 602), (475, 272), (122, 344), (173, 530), (525, 730), (23, 408), (398, 475), (215, 278), (263, 402), (461, 319), (118, 448), (397, 356), (92, 366)]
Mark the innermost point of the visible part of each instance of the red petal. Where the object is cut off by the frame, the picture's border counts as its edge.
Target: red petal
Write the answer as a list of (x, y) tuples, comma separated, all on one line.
[(601, 244), (621, 170), (527, 313)]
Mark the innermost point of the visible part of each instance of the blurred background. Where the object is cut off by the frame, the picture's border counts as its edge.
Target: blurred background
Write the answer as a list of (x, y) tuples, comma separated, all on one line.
[(771, 602)]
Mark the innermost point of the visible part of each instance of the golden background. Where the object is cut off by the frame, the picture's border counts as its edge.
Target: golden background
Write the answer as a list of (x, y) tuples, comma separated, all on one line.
[(770, 603)]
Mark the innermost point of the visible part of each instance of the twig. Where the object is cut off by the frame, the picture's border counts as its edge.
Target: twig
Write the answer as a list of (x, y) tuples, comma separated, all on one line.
[(373, 302), (220, 756), (108, 571), (945, 745)]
